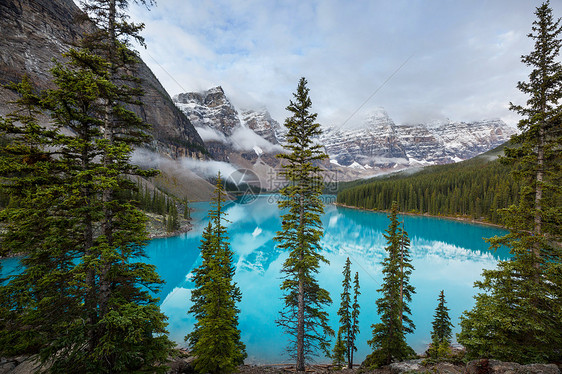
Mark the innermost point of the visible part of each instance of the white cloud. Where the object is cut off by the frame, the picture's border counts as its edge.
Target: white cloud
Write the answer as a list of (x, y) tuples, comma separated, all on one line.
[(241, 139), (209, 134), (464, 65), (245, 139), (204, 168)]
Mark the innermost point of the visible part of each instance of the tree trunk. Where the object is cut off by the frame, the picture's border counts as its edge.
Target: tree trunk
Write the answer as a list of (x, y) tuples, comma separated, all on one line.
[(90, 303), (107, 194), (401, 276), (300, 312)]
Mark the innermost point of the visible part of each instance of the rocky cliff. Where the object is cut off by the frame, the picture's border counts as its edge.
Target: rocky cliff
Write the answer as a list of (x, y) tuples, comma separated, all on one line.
[(367, 146), (33, 32), (228, 133), (376, 142)]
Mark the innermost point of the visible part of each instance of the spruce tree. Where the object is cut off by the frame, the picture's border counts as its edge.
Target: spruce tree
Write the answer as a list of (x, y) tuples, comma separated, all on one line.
[(354, 321), (30, 176), (349, 313), (518, 316), (441, 333), (389, 335), (78, 326), (303, 317), (215, 339), (83, 292), (338, 355)]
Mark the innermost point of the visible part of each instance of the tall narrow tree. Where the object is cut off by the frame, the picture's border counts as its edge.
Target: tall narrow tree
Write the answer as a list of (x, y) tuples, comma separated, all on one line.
[(354, 320), (344, 312), (215, 339), (518, 317), (303, 317), (441, 333), (349, 313), (389, 335)]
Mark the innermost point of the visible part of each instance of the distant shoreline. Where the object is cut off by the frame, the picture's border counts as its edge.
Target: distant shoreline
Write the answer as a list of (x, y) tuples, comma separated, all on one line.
[(452, 218)]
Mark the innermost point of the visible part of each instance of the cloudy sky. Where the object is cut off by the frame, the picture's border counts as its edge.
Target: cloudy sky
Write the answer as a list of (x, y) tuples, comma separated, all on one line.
[(419, 59)]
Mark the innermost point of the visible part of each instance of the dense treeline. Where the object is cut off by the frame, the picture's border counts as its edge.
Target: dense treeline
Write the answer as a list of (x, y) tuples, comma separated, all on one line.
[(155, 201), (476, 188)]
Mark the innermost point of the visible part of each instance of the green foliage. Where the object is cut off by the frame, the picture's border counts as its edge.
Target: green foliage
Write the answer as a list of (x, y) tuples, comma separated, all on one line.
[(173, 218), (215, 339), (349, 313), (475, 188), (442, 329), (83, 302), (303, 317), (339, 352), (354, 318), (389, 336), (518, 317)]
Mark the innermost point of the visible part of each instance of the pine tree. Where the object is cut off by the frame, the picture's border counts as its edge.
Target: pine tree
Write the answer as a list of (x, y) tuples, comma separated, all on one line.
[(30, 177), (303, 317), (518, 316), (83, 293), (80, 328), (344, 312), (173, 220), (389, 336), (215, 339), (349, 314), (186, 210), (338, 355), (441, 333), (354, 321)]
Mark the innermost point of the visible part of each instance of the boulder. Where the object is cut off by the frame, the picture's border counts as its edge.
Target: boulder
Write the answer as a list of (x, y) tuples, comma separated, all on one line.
[(406, 366), (485, 366)]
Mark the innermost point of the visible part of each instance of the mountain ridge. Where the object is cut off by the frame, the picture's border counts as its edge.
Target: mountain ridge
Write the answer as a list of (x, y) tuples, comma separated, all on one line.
[(372, 145)]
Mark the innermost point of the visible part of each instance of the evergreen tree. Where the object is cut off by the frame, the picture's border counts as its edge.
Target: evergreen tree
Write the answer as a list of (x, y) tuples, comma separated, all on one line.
[(79, 326), (354, 321), (518, 317), (338, 356), (389, 336), (186, 210), (83, 293), (173, 220), (349, 314), (303, 316), (441, 333), (215, 339), (29, 176)]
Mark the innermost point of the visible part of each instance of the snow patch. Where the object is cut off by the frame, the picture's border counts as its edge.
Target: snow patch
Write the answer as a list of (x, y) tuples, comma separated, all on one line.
[(257, 231)]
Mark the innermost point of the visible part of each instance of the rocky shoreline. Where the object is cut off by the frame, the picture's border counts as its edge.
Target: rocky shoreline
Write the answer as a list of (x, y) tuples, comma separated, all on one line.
[(481, 366), (181, 363)]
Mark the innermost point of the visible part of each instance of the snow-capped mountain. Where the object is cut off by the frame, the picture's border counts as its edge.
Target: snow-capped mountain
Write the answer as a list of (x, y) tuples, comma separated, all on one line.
[(262, 124), (376, 142), (225, 129), (366, 146)]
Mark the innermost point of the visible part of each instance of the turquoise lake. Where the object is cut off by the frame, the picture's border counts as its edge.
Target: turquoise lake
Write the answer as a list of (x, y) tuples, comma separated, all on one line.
[(446, 254)]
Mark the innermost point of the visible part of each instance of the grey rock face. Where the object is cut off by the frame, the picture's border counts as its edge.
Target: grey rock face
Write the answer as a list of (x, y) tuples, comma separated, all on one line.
[(210, 108), (499, 367), (263, 125), (226, 131), (405, 366), (377, 142), (36, 31)]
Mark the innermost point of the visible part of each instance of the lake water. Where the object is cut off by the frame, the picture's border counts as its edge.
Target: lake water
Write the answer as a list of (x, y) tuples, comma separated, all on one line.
[(448, 255)]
